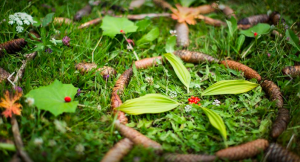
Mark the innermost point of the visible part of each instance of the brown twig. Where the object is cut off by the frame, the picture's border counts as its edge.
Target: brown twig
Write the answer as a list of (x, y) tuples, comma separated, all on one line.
[(248, 22), (18, 140), (211, 21), (22, 68)]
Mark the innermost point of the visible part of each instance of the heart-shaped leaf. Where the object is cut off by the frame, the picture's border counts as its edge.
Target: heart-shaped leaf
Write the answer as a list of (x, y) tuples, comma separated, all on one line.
[(180, 70), (150, 103), (112, 26), (216, 121), (229, 87), (52, 97), (260, 29)]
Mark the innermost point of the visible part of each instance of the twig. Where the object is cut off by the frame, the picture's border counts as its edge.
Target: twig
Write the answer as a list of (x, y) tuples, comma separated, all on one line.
[(95, 48), (18, 140), (130, 46), (20, 72)]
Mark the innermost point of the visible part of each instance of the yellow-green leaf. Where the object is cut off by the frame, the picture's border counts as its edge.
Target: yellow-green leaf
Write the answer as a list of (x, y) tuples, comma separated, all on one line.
[(180, 70), (216, 121), (148, 104), (229, 87)]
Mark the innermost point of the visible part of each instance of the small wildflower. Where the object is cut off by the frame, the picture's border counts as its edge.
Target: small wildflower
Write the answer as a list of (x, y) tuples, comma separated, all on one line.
[(269, 55), (173, 32), (106, 76), (121, 31), (79, 149), (53, 40), (18, 89), (66, 41), (216, 102), (173, 94), (188, 108), (19, 29), (30, 101), (60, 126), (38, 141), (255, 34), (221, 6), (130, 41), (78, 92), (149, 80), (52, 143), (129, 47), (10, 22), (49, 50), (287, 38)]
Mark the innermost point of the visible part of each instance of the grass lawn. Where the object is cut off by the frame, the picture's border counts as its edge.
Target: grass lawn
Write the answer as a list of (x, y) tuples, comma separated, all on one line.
[(88, 133)]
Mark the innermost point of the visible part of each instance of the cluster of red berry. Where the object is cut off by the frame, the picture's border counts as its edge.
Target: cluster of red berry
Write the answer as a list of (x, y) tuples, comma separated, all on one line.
[(194, 100)]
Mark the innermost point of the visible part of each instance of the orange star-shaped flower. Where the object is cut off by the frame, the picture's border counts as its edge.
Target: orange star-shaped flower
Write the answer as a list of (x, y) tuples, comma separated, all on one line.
[(184, 14), (9, 103)]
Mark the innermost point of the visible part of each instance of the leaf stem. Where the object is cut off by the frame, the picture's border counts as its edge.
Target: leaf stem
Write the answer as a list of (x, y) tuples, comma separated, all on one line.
[(95, 48), (136, 56)]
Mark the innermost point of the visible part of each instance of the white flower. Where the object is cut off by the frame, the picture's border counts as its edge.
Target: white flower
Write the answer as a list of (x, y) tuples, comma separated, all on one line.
[(53, 41), (79, 149), (19, 22), (52, 143), (188, 108), (26, 22), (149, 80), (10, 22), (30, 101), (19, 29), (60, 126), (222, 7), (38, 141), (173, 94), (173, 32), (216, 102)]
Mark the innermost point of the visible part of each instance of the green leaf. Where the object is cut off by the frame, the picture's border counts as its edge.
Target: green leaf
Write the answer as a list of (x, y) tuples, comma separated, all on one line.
[(150, 103), (293, 39), (240, 42), (171, 42), (229, 87), (260, 29), (37, 22), (112, 26), (47, 19), (7, 146), (232, 26), (143, 24), (180, 70), (149, 37), (186, 3), (51, 98), (216, 121)]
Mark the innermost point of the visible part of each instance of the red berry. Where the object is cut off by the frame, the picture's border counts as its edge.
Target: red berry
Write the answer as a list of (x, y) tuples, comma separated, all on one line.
[(121, 31), (190, 102), (255, 34), (67, 99), (192, 97)]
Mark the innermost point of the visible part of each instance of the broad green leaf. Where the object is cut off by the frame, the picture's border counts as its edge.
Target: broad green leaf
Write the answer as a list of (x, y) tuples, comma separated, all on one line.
[(37, 22), (180, 70), (149, 37), (229, 87), (143, 24), (47, 19), (186, 3), (232, 26), (51, 97), (150, 103), (240, 42), (7, 146), (260, 29), (171, 42), (216, 121), (293, 39), (112, 26)]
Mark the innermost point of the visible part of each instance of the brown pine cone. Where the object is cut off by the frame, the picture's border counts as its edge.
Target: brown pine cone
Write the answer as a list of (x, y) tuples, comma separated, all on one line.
[(3, 75), (276, 153), (281, 122), (189, 158), (273, 91), (12, 46)]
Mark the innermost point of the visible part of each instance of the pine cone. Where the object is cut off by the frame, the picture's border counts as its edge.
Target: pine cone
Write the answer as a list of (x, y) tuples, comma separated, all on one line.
[(276, 153), (12, 46), (189, 158), (281, 122), (243, 151)]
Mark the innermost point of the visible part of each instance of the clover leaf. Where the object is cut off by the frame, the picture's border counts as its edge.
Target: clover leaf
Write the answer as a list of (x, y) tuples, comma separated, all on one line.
[(112, 26), (52, 97)]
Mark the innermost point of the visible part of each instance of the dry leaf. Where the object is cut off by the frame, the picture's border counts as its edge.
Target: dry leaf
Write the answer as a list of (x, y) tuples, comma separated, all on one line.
[(184, 14), (8, 102)]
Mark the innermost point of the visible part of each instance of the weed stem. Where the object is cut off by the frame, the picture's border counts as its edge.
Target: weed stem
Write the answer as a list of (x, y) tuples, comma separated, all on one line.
[(136, 56)]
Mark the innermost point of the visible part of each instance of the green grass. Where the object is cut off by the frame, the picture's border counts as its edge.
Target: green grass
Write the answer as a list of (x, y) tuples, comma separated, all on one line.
[(91, 127)]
